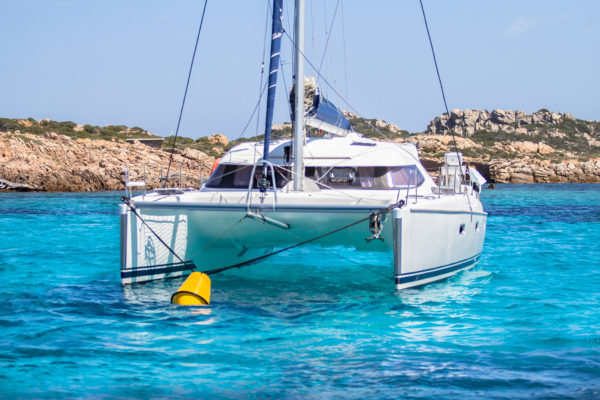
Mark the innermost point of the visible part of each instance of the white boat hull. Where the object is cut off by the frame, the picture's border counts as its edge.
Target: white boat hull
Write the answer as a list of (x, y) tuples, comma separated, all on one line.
[(423, 242), (434, 244)]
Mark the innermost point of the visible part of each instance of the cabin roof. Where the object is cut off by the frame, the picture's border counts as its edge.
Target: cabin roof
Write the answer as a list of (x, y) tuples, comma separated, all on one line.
[(338, 151)]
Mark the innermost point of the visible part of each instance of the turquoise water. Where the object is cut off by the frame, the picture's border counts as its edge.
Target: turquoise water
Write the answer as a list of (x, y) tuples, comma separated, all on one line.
[(525, 323)]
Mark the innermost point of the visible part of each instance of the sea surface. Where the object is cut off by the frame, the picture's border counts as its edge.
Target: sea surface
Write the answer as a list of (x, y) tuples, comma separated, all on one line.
[(309, 324)]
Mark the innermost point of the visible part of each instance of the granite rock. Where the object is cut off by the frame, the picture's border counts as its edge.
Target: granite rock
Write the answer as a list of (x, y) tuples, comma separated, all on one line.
[(53, 162)]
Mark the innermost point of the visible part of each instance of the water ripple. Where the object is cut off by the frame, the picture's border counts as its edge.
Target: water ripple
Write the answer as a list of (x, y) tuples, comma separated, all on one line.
[(524, 323)]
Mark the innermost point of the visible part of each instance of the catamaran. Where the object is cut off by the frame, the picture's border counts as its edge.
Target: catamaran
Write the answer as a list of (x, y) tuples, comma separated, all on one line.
[(327, 186)]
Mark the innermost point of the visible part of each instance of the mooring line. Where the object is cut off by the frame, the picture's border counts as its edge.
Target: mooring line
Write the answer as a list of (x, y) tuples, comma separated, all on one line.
[(256, 259), (252, 261)]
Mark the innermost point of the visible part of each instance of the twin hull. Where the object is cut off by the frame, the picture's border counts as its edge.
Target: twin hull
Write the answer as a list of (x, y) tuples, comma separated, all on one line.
[(422, 243)]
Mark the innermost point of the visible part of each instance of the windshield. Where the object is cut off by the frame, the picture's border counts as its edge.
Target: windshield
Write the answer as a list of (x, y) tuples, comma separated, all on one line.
[(238, 176), (376, 178)]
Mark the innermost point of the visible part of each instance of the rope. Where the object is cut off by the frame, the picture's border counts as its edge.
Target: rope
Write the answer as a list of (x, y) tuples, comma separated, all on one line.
[(185, 94), (132, 208), (252, 261)]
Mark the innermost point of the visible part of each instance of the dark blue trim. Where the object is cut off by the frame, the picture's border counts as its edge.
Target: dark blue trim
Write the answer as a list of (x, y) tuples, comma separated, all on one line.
[(276, 33), (157, 269), (432, 272)]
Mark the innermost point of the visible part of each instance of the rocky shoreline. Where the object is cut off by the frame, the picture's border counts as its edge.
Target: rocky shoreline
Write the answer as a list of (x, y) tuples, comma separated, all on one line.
[(506, 146), (58, 163), (522, 167), (515, 147)]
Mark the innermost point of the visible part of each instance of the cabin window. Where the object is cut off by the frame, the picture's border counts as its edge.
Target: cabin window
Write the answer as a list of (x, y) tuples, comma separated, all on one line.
[(342, 175), (232, 176), (377, 178), (229, 176)]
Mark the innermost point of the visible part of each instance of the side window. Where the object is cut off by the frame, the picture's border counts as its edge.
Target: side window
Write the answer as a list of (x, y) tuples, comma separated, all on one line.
[(376, 178), (217, 176), (241, 177), (366, 177), (229, 176), (342, 176), (405, 176)]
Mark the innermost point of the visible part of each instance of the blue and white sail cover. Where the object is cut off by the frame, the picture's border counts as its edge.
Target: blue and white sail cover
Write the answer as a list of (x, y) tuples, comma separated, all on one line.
[(321, 113), (324, 110), (276, 33)]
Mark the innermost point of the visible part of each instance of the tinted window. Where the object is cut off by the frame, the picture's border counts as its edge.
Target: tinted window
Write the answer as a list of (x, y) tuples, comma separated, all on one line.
[(238, 176), (366, 177)]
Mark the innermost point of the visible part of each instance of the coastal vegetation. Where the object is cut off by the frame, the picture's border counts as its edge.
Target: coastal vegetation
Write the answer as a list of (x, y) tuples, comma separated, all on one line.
[(566, 136), (507, 146), (71, 129), (556, 136)]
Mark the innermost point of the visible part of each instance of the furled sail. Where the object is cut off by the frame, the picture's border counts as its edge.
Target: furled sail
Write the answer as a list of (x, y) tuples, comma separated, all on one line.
[(320, 112), (276, 33)]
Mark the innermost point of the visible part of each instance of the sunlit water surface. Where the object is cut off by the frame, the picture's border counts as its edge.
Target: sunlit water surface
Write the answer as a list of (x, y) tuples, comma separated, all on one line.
[(305, 324)]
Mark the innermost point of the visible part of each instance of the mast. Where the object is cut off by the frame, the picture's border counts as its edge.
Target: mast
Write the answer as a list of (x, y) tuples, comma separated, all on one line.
[(299, 94), (276, 33)]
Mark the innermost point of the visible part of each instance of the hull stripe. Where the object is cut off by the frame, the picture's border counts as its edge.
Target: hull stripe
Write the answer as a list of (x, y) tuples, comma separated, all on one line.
[(157, 269), (432, 272)]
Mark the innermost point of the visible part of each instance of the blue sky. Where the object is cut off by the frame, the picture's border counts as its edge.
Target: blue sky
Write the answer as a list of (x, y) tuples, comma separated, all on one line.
[(125, 62)]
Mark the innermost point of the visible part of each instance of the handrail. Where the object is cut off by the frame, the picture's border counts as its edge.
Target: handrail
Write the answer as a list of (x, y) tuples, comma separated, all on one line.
[(129, 185), (261, 162)]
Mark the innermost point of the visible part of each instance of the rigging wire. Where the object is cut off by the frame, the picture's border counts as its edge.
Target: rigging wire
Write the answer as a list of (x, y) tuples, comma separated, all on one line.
[(262, 67), (437, 70), (286, 7), (353, 109), (312, 26), (289, 103), (328, 32), (328, 35), (263, 85), (254, 111), (343, 99), (185, 94), (344, 46), (371, 125)]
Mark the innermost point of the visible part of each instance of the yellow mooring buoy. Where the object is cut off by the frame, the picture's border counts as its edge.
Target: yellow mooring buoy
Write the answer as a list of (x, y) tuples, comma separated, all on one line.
[(195, 291)]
